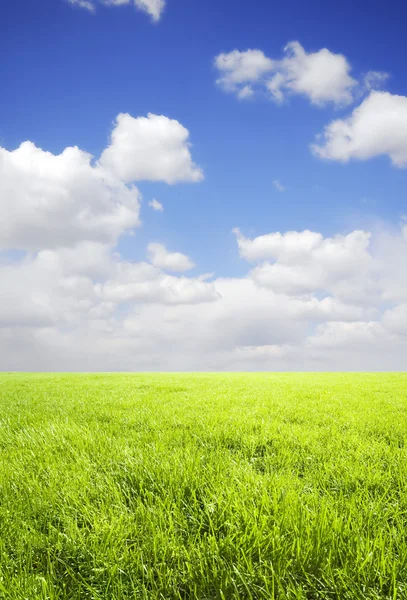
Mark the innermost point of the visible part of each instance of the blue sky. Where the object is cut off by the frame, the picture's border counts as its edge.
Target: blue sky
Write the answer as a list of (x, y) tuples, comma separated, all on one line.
[(67, 72)]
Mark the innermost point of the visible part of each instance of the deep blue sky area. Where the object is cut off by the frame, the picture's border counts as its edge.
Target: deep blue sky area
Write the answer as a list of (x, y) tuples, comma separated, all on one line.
[(66, 73)]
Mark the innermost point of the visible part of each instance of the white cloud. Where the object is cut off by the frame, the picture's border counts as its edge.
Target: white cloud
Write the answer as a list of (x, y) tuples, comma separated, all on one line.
[(321, 76), (358, 346), (65, 213), (355, 346), (243, 315), (167, 323), (391, 249), (70, 301), (279, 186), (86, 4), (153, 148), (154, 8), (395, 320), (84, 286), (144, 283), (57, 200), (290, 246), (377, 127), (245, 92), (375, 79), (155, 205), (161, 258), (237, 69), (298, 263), (48, 288)]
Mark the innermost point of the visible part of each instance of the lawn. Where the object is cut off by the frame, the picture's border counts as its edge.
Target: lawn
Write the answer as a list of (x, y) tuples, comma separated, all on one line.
[(201, 486)]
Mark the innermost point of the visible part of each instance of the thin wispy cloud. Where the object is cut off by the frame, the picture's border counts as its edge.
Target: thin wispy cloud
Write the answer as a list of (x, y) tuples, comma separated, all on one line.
[(156, 206), (85, 4), (154, 8), (279, 186)]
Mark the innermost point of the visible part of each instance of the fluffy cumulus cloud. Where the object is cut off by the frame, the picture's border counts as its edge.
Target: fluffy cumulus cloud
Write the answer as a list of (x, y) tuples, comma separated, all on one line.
[(62, 276), (306, 262), (142, 282), (71, 301), (306, 302), (160, 257), (240, 70), (375, 128), (155, 148), (322, 76), (154, 8), (59, 200)]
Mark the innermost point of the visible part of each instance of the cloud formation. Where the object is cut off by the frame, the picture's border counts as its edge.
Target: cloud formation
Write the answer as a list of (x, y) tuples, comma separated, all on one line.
[(53, 200), (308, 302), (85, 4), (71, 301), (153, 148), (154, 8), (375, 128), (279, 186), (161, 258), (378, 126), (306, 262), (156, 206), (59, 200), (323, 76)]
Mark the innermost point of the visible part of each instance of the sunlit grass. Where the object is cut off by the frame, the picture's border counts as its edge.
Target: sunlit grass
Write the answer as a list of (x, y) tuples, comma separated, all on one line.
[(241, 486)]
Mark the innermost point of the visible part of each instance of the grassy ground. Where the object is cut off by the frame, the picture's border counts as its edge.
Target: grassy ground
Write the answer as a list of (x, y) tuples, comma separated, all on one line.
[(203, 486)]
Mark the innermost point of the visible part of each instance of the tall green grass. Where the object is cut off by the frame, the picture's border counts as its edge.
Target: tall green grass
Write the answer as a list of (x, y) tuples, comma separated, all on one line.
[(232, 486)]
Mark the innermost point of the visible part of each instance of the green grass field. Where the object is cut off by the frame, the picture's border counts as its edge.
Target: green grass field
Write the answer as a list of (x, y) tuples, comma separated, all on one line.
[(181, 486)]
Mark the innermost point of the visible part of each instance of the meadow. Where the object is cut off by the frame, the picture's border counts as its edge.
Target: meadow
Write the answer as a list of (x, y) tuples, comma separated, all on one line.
[(202, 486)]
